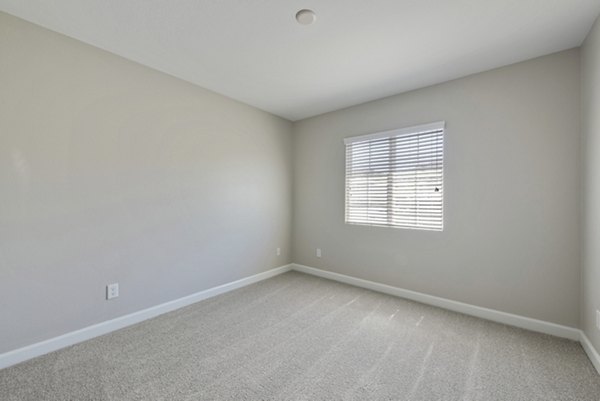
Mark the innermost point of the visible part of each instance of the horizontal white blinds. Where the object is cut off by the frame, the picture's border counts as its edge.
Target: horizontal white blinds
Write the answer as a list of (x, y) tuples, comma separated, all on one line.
[(395, 178)]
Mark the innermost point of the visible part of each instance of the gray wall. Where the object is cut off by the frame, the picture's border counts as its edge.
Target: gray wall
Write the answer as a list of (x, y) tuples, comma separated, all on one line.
[(112, 172), (512, 184), (591, 184)]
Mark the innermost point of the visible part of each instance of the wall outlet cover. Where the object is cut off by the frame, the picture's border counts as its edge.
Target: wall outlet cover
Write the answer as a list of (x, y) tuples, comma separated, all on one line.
[(112, 291), (318, 252)]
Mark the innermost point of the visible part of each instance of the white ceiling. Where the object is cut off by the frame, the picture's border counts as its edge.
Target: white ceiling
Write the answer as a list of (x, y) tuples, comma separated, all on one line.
[(358, 50)]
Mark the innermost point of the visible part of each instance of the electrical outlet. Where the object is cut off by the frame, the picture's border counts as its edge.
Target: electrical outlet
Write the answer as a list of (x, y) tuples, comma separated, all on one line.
[(318, 252), (598, 319), (112, 291), (278, 251)]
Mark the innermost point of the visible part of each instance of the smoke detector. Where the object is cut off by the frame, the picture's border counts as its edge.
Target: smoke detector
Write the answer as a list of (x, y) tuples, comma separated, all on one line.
[(306, 17)]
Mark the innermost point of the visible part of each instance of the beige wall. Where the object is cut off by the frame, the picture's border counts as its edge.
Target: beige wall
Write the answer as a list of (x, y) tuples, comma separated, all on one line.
[(591, 184), (512, 204), (113, 172)]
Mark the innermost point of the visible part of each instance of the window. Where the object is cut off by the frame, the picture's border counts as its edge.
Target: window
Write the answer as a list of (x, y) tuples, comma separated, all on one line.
[(395, 178)]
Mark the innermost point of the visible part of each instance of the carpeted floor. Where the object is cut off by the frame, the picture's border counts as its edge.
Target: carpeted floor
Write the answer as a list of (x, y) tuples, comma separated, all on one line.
[(297, 337)]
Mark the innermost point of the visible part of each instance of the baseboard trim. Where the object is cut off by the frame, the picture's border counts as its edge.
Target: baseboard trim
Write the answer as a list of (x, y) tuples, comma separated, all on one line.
[(467, 309), (510, 319), (590, 351), (34, 350)]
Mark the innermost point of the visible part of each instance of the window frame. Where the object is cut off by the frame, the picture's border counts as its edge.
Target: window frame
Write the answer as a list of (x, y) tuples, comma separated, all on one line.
[(438, 128)]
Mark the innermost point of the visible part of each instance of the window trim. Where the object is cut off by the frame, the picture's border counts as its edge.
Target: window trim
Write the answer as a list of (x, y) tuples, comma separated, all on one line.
[(399, 132)]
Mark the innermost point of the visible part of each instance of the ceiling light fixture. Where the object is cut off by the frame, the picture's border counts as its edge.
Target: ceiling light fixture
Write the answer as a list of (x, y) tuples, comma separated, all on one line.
[(306, 17)]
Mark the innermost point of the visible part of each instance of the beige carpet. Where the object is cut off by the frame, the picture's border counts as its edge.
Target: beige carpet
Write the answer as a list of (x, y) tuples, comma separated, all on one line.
[(296, 337)]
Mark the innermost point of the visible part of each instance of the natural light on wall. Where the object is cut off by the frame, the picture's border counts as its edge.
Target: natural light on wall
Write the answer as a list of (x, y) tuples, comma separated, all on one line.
[(395, 178)]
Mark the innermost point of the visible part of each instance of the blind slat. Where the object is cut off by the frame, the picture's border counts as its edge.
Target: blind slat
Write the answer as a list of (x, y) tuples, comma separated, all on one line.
[(396, 178)]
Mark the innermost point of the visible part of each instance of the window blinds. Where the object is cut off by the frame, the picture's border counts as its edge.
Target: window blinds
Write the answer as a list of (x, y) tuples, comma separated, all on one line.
[(395, 178)]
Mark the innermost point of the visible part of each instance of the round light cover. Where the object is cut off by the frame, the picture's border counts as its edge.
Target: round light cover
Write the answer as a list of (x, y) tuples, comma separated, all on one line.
[(306, 17)]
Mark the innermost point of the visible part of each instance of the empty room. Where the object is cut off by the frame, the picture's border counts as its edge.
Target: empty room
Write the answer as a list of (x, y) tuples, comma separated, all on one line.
[(300, 200)]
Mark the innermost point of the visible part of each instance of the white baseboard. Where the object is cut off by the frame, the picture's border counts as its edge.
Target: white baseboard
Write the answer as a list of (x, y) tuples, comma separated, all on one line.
[(468, 309), (590, 351), (31, 351), (523, 322)]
